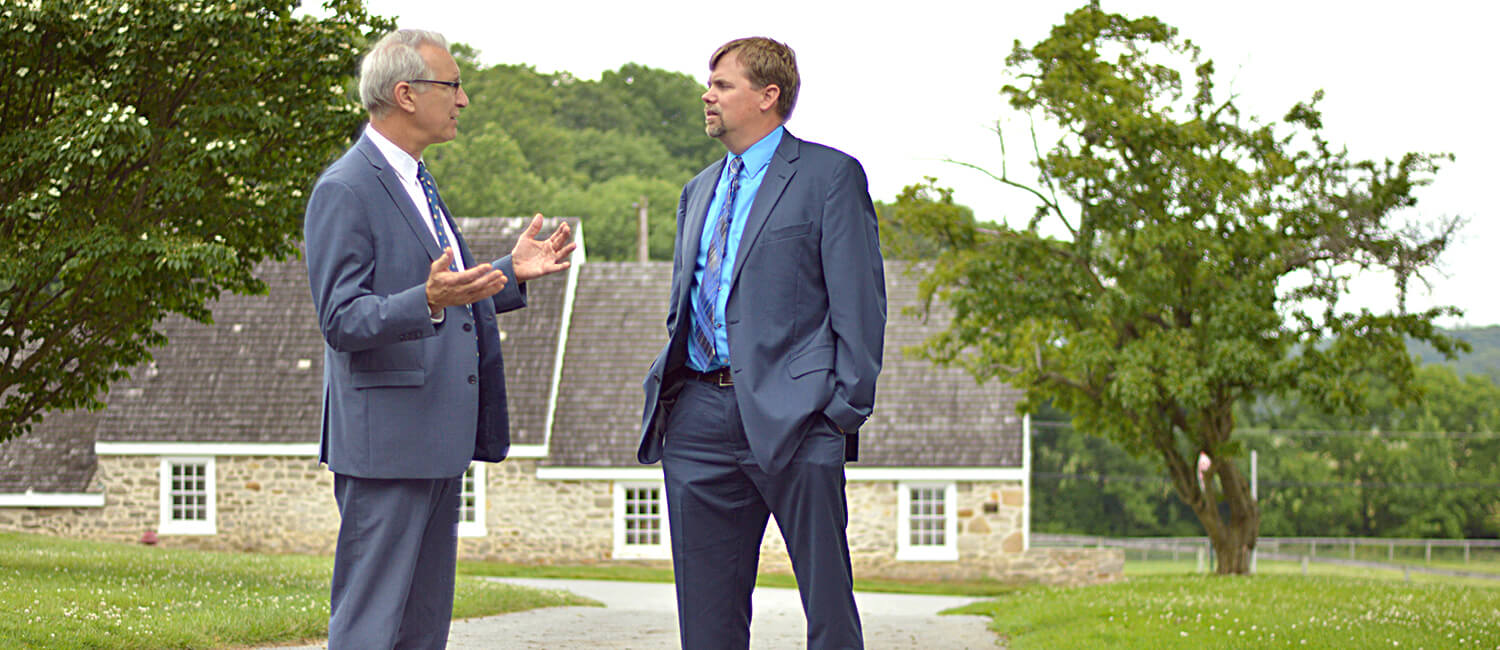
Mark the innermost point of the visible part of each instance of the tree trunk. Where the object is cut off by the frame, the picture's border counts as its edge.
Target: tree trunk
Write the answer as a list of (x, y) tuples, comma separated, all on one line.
[(1234, 538)]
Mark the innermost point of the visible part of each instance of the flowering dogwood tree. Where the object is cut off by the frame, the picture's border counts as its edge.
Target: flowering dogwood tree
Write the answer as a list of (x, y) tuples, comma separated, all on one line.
[(155, 151)]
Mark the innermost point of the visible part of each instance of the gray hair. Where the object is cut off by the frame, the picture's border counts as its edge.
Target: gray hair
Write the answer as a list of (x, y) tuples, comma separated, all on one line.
[(392, 60)]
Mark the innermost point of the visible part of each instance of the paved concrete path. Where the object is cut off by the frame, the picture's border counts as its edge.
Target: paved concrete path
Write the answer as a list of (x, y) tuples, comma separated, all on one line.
[(643, 616)]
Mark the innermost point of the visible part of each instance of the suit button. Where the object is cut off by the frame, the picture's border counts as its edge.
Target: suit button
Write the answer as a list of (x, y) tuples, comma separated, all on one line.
[(468, 327), (473, 379)]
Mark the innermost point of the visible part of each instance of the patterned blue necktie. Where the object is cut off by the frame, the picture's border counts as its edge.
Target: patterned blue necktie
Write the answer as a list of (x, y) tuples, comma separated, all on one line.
[(708, 291), (429, 187)]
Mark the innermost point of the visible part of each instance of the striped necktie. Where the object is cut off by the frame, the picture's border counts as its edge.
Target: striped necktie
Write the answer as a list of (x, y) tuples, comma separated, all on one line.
[(707, 299)]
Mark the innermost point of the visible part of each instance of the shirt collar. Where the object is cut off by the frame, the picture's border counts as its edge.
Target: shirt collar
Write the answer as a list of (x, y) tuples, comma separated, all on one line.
[(758, 156), (406, 167)]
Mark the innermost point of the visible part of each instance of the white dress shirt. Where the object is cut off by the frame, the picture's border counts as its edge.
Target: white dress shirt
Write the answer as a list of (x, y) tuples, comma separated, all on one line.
[(406, 170)]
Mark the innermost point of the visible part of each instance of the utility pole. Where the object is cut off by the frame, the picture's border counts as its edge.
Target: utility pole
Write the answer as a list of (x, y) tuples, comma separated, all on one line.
[(643, 232), (1254, 496)]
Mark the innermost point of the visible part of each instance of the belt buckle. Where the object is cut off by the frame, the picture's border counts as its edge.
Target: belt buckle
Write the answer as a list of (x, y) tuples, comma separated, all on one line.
[(721, 377)]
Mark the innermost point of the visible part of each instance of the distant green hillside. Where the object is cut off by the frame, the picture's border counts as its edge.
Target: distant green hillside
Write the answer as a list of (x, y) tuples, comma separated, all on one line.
[(1484, 359)]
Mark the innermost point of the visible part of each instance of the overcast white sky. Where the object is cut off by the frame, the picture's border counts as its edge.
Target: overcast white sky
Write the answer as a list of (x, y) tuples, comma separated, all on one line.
[(906, 86)]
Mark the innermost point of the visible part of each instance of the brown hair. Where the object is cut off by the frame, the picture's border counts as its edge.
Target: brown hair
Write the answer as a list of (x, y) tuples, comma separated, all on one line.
[(766, 62)]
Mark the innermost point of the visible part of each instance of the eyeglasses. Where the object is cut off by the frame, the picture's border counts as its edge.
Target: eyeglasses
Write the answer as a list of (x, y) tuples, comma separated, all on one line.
[(451, 84)]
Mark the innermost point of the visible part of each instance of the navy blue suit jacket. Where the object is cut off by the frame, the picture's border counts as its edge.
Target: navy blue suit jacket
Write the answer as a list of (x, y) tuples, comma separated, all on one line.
[(402, 397), (806, 308)]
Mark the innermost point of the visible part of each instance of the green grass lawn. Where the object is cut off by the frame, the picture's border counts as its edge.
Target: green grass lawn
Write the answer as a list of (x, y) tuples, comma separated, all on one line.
[(1263, 611), (59, 593)]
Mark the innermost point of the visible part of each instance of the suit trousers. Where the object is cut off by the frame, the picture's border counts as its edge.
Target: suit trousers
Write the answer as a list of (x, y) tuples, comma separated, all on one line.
[(718, 503), (394, 565)]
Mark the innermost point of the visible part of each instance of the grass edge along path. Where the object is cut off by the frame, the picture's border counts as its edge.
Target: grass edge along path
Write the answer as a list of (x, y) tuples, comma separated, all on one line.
[(62, 593), (1269, 611), (663, 574)]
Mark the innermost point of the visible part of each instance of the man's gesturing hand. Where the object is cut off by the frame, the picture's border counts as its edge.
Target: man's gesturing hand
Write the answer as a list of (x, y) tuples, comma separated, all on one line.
[(447, 288), (534, 258)]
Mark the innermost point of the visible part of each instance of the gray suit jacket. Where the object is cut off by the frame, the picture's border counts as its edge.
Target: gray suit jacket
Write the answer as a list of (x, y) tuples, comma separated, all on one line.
[(402, 398), (806, 309)]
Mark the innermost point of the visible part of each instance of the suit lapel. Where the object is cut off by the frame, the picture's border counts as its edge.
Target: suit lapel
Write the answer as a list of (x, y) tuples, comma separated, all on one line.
[(398, 195), (778, 174), (696, 216)]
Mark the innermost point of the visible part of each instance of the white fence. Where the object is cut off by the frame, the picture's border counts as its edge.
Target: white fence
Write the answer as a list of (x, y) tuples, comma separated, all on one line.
[(1370, 552)]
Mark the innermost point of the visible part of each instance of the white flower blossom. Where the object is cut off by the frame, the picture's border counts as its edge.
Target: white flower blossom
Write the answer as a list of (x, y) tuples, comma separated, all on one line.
[(22, 72)]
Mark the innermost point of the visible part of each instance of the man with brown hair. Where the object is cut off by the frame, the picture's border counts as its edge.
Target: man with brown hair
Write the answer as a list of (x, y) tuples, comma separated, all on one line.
[(776, 320)]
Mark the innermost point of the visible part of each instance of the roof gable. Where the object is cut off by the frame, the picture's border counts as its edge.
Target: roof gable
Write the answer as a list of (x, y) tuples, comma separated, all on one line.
[(925, 416)]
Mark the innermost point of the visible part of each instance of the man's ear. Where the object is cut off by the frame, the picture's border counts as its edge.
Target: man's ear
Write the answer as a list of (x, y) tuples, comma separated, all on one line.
[(405, 97), (769, 96)]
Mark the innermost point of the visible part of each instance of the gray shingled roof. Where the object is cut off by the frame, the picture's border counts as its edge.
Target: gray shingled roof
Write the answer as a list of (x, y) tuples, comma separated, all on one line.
[(242, 379), (930, 416), (618, 326), (925, 416), (57, 456), (255, 375)]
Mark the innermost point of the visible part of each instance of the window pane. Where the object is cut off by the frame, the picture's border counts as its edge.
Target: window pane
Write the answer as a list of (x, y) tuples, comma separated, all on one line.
[(188, 493), (642, 516), (927, 516)]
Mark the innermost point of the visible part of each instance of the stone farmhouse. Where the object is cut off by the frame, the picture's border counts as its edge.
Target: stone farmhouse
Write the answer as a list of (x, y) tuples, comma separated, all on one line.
[(213, 444)]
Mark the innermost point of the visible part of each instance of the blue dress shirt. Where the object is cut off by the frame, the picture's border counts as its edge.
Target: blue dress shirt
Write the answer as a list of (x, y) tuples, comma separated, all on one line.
[(757, 158)]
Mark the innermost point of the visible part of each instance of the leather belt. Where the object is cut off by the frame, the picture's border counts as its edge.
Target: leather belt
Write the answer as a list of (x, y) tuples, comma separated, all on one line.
[(721, 377)]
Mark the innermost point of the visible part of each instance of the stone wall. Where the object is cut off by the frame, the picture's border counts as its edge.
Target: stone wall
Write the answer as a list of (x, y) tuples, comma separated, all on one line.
[(531, 521), (990, 541), (265, 504), (275, 505), (285, 505)]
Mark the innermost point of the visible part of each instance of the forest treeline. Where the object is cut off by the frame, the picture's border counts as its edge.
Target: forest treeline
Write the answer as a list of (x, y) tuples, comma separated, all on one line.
[(549, 142), (1429, 469)]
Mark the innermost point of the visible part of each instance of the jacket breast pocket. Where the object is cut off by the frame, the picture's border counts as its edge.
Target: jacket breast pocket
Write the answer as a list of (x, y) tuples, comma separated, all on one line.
[(789, 232)]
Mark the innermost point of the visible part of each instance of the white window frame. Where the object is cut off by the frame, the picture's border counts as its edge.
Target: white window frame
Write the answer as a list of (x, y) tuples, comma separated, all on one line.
[(171, 526), (948, 550), (662, 551), (474, 528)]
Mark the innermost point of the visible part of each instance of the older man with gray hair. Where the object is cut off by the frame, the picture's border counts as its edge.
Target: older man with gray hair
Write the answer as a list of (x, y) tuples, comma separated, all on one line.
[(413, 379)]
